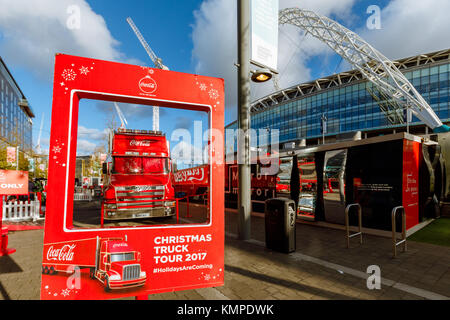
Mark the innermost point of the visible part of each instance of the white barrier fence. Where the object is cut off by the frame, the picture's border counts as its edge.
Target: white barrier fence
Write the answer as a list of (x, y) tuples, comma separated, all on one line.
[(82, 197), (21, 211)]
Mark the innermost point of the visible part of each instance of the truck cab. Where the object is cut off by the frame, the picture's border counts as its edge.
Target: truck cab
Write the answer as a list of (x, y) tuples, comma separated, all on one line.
[(138, 176), (118, 265)]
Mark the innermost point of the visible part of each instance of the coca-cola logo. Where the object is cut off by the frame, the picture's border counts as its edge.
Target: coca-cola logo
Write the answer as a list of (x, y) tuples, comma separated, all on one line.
[(120, 245), (147, 84), (64, 253), (190, 175), (142, 188), (143, 143)]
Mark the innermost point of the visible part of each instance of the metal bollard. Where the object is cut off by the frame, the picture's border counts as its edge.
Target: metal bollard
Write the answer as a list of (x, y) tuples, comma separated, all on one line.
[(394, 230), (347, 224)]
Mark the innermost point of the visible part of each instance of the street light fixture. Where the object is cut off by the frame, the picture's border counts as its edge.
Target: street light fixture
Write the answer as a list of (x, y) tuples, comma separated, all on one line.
[(261, 75)]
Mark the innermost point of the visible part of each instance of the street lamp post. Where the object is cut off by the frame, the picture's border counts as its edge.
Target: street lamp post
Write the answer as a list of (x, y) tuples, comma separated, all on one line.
[(244, 190)]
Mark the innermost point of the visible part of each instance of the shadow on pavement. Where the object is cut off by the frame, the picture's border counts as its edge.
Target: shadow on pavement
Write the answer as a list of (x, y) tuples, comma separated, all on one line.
[(4, 293), (283, 259), (8, 265), (286, 283)]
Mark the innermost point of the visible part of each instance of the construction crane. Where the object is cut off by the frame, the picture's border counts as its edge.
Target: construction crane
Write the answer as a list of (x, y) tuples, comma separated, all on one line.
[(38, 145), (156, 60), (123, 120)]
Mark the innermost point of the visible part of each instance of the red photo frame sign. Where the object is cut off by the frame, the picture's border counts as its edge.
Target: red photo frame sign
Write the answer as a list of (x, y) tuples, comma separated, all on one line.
[(71, 255)]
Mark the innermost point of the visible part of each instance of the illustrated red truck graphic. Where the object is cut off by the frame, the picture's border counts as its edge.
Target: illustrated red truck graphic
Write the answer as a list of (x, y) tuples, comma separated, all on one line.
[(110, 260), (138, 179)]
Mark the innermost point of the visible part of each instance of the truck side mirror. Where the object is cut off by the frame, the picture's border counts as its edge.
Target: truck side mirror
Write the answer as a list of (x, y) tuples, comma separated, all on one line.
[(104, 168), (138, 256)]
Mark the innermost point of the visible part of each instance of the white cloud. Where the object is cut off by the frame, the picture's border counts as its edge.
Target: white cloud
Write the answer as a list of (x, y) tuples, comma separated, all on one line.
[(92, 133), (85, 147), (215, 45), (411, 28), (34, 30)]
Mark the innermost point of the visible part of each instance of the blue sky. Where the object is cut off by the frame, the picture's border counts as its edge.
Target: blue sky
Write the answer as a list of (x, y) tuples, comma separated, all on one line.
[(195, 36)]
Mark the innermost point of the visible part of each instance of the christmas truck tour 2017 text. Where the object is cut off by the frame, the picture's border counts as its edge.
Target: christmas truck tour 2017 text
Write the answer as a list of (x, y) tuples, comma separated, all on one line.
[(176, 248)]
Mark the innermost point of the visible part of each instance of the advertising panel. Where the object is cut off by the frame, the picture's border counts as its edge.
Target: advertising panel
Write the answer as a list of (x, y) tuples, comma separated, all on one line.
[(13, 182), (11, 155), (411, 161), (144, 253), (264, 36)]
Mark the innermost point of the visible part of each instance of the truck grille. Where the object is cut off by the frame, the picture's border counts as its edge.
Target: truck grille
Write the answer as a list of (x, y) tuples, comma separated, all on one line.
[(130, 196), (131, 272)]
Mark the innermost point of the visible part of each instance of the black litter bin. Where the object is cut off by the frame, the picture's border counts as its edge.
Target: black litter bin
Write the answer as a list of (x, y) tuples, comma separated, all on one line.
[(280, 225)]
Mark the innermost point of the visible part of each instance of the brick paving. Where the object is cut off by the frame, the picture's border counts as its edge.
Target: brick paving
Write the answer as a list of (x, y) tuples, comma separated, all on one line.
[(254, 272)]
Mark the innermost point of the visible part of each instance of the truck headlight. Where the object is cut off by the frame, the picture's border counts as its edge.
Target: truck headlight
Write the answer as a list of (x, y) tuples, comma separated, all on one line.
[(110, 206), (143, 274), (169, 203), (114, 277)]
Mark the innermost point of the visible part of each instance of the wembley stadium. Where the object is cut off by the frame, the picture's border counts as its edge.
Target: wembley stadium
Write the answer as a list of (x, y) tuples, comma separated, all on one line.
[(348, 106)]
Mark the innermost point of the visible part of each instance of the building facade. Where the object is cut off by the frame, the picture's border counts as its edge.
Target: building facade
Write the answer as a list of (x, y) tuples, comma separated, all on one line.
[(351, 104), (16, 116)]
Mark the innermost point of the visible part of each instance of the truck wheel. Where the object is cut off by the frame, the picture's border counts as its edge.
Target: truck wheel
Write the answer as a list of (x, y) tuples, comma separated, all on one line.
[(107, 287), (53, 271), (45, 270)]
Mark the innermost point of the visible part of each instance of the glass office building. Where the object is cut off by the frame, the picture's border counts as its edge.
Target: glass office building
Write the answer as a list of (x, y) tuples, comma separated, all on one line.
[(350, 104), (15, 113)]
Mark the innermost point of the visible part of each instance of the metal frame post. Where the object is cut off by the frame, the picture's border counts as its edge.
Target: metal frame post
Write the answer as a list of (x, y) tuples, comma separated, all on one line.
[(394, 230), (347, 224), (187, 208), (244, 192)]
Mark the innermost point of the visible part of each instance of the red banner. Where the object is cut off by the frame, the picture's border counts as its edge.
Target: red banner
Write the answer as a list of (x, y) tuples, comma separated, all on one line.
[(411, 161), (13, 182), (11, 155)]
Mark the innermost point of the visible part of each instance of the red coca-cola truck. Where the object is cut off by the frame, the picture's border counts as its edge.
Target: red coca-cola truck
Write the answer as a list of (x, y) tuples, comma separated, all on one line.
[(138, 179), (192, 182), (110, 260)]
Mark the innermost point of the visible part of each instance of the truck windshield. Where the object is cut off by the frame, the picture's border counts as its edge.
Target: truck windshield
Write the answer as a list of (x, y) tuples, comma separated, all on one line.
[(117, 257), (140, 165)]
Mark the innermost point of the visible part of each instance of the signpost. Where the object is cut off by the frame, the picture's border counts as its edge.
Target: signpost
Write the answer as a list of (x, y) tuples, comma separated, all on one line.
[(11, 183), (138, 260), (259, 47)]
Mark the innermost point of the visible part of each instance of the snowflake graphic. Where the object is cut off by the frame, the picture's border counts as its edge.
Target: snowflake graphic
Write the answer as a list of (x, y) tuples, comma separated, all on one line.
[(69, 74), (213, 94), (56, 149), (148, 69), (84, 70), (207, 277), (65, 292), (203, 87)]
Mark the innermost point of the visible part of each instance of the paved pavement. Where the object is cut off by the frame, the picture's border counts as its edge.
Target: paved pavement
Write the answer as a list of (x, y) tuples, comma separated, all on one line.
[(321, 268)]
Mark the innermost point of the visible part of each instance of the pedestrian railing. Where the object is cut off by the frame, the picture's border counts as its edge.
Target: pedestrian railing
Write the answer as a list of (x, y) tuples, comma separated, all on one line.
[(396, 243), (347, 224), (82, 197), (21, 211)]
